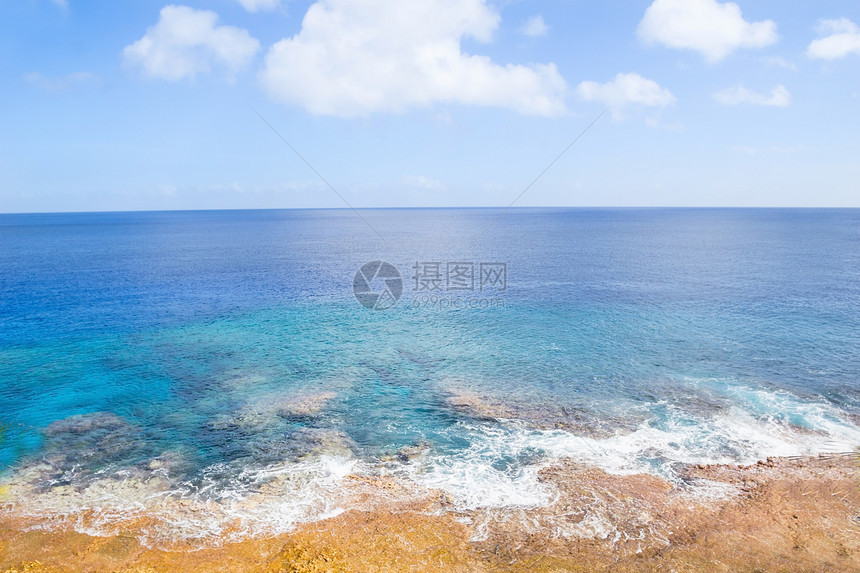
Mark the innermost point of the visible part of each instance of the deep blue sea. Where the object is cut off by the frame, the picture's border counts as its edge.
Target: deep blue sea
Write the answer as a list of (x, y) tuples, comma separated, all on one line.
[(217, 350)]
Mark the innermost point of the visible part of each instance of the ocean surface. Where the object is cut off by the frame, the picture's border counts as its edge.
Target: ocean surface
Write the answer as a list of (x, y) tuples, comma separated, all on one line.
[(226, 352)]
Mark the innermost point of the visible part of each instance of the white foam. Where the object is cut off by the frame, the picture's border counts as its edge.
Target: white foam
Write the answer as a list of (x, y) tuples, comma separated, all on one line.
[(472, 480), (499, 470), (262, 501), (743, 434)]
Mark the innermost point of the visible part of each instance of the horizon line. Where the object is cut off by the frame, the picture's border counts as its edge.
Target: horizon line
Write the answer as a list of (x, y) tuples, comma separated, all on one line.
[(413, 208)]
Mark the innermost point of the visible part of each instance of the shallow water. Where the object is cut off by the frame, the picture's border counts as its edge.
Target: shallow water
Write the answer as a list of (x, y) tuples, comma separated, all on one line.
[(221, 351)]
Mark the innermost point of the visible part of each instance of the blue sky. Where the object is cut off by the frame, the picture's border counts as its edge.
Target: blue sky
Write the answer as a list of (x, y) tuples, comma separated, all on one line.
[(147, 105)]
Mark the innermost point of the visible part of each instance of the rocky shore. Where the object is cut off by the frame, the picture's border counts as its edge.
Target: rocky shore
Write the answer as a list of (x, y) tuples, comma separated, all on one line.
[(776, 515)]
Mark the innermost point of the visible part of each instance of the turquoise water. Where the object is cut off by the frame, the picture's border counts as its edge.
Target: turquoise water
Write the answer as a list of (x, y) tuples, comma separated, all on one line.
[(218, 348)]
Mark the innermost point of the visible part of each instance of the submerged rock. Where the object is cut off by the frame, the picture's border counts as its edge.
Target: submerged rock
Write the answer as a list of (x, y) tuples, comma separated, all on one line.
[(478, 406), (544, 416), (408, 453), (313, 441), (77, 451), (86, 423), (269, 411), (305, 404), (172, 462), (89, 440)]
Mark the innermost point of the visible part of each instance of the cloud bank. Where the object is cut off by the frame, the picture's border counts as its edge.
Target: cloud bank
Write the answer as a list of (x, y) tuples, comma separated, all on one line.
[(534, 27), (59, 83), (186, 42), (737, 95), (625, 90), (359, 57), (259, 5), (709, 27), (422, 182), (842, 39)]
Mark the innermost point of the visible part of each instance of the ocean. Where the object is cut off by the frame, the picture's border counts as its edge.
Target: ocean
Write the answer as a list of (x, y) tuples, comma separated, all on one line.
[(252, 360)]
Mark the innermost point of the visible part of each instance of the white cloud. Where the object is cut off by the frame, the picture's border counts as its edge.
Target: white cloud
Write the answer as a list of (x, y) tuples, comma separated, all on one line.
[(712, 28), (423, 182), (534, 27), (357, 57), (259, 5), (186, 42), (656, 121), (58, 83), (625, 90), (737, 95), (61, 3), (843, 39), (779, 62)]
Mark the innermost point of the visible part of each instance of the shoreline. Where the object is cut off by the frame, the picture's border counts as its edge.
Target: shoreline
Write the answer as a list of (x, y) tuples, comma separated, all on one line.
[(799, 514)]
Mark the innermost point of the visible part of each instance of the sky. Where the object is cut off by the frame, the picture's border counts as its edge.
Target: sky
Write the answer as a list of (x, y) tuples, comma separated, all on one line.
[(145, 105)]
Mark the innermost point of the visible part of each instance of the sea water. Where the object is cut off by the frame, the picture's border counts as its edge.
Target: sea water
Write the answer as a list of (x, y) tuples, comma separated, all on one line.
[(223, 349)]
